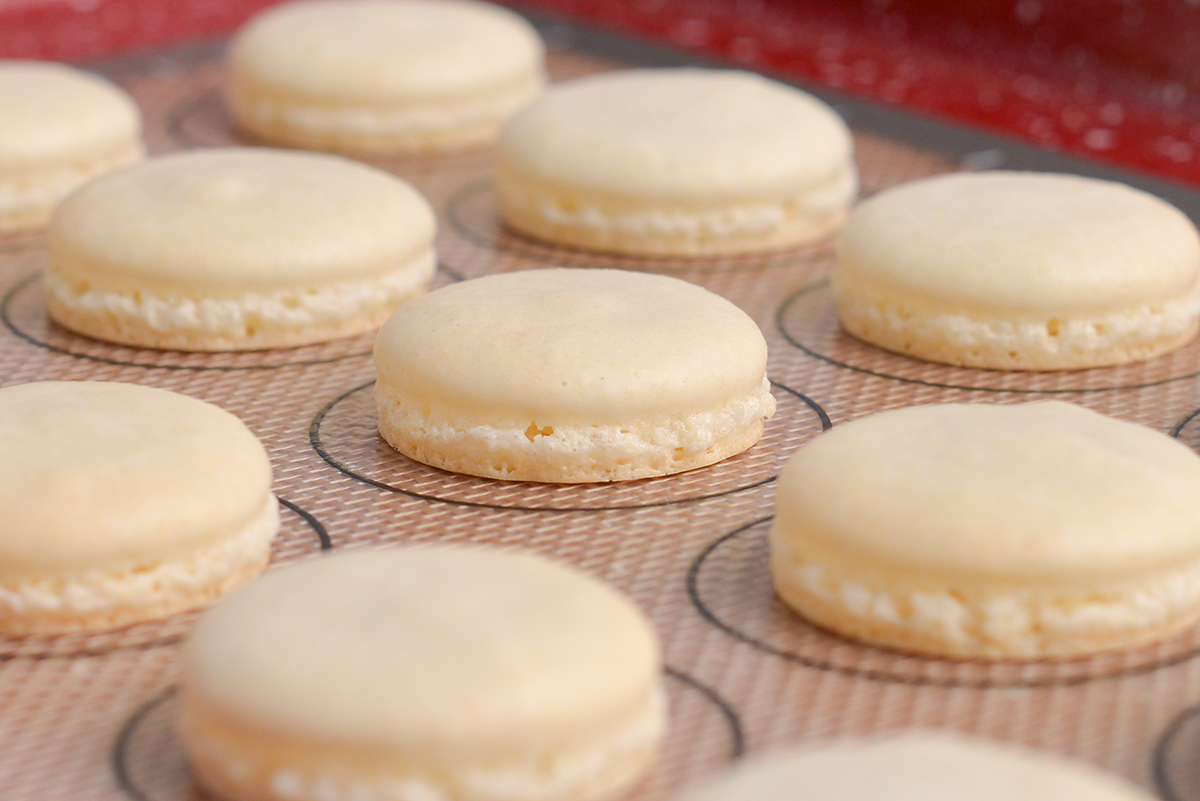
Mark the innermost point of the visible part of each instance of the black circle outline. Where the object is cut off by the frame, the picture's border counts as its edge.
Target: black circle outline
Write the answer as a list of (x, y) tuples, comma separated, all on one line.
[(787, 303), (578, 257), (726, 709), (885, 677), (1182, 424), (118, 759), (22, 240), (317, 526), (1162, 778), (163, 642), (454, 274), (6, 319), (314, 439), (186, 108)]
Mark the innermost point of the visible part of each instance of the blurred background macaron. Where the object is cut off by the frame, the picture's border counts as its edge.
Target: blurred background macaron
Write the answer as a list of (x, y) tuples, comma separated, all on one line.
[(59, 126), (381, 78)]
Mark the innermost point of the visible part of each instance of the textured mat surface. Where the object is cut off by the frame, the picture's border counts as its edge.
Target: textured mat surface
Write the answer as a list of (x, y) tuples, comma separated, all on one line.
[(90, 716)]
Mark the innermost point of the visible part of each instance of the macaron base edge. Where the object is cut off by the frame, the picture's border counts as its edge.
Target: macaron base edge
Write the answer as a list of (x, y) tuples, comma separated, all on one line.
[(920, 329), (984, 622), (571, 454), (663, 228), (249, 321), (236, 762), (107, 599)]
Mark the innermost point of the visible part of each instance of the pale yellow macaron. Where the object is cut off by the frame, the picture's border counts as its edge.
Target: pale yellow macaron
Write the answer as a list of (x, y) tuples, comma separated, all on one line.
[(991, 531), (1019, 271), (123, 503), (59, 126), (237, 249), (571, 375), (918, 766), (676, 162), (422, 673), (383, 77)]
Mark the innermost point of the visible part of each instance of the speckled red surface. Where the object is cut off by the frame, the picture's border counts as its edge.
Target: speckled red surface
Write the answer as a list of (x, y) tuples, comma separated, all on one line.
[(1116, 80)]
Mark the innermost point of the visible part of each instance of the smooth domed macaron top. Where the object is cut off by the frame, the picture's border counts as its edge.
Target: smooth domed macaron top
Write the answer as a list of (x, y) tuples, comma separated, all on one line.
[(387, 50), (1016, 494), (682, 134), (443, 648), (919, 766), (239, 219), (572, 346), (100, 475), (55, 115), (1021, 242)]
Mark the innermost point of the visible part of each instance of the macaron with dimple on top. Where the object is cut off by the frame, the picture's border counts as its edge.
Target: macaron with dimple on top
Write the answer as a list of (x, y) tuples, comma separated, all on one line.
[(237, 249)]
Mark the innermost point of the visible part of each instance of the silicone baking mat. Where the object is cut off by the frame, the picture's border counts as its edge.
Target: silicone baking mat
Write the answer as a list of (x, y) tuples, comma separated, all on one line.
[(86, 717)]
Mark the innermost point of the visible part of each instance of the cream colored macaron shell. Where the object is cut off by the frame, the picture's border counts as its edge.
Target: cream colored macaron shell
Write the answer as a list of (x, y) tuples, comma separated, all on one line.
[(920, 766), (383, 77), (59, 127), (123, 503), (1019, 271), (571, 375), (993, 531), (422, 673), (678, 162), (237, 249)]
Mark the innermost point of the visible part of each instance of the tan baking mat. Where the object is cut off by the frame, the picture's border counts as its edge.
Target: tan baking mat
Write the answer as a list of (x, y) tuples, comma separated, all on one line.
[(90, 717)]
